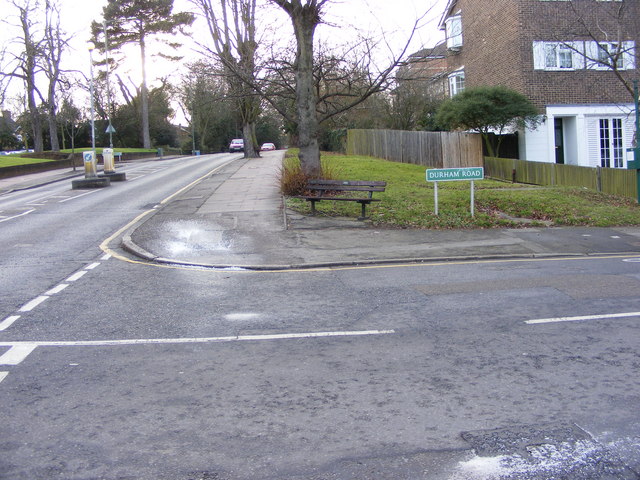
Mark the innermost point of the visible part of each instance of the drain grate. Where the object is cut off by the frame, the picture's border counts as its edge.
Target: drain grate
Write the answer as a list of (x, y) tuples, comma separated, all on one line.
[(542, 452)]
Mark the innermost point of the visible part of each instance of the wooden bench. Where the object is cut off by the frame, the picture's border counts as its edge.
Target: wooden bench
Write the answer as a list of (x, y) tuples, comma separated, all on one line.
[(330, 189)]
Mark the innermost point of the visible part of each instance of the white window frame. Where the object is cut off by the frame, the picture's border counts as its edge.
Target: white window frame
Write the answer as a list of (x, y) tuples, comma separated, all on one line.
[(456, 82), (596, 61), (572, 51), (453, 30), (611, 140)]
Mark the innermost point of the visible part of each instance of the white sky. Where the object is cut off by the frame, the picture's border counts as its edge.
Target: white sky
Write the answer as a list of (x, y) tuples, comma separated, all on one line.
[(343, 18)]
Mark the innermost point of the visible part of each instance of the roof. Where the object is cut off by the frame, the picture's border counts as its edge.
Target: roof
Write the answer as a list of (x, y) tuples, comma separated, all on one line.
[(437, 51), (447, 12)]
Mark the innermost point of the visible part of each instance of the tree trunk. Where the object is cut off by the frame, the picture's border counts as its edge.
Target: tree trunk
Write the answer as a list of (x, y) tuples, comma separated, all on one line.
[(53, 128), (36, 122), (29, 68), (304, 27), (144, 99), (250, 143)]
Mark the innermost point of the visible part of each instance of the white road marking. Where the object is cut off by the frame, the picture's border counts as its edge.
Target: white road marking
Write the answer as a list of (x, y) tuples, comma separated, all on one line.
[(7, 322), (78, 196), (27, 307), (76, 276), (57, 289), (167, 341), (106, 256), (584, 317), (17, 354), (241, 316), (20, 215), (92, 266), (3, 375)]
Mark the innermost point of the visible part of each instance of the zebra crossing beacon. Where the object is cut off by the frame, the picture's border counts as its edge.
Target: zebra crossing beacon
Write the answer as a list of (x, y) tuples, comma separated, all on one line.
[(436, 175)]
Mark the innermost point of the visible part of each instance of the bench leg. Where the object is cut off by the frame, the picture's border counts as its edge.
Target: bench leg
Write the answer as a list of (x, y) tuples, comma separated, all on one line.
[(313, 207), (363, 216)]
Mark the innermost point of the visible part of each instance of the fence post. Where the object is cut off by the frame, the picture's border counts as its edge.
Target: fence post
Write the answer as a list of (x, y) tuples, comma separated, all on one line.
[(599, 178)]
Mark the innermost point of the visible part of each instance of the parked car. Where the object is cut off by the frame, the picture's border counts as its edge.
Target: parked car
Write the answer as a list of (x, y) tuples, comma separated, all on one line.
[(236, 145), (267, 147)]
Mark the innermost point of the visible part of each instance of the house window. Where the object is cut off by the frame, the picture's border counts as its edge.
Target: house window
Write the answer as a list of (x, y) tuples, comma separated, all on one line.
[(456, 83), (611, 150), (557, 55), (453, 29), (610, 55)]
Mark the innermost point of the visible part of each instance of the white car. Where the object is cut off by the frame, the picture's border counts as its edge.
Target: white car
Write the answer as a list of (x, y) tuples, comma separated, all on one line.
[(236, 145), (266, 147)]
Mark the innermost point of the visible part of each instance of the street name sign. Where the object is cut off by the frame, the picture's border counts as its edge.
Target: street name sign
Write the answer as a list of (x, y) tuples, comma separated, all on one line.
[(436, 175), (453, 174)]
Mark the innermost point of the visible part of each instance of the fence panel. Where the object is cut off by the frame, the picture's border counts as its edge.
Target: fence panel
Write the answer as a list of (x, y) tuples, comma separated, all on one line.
[(619, 182), (431, 149), (613, 181)]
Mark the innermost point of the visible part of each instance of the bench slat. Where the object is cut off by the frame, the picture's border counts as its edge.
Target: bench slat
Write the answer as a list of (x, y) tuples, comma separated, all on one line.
[(342, 188), (346, 183)]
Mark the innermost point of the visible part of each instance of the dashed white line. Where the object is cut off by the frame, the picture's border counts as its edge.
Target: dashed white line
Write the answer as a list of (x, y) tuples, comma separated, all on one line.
[(76, 276), (57, 289), (92, 266), (106, 256), (78, 196), (3, 375), (27, 307), (582, 318), (17, 354), (7, 322)]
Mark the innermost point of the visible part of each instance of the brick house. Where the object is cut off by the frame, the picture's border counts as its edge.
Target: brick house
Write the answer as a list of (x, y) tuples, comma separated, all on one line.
[(574, 59)]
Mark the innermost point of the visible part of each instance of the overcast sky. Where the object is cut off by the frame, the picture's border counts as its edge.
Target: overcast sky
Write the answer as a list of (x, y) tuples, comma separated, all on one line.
[(343, 18)]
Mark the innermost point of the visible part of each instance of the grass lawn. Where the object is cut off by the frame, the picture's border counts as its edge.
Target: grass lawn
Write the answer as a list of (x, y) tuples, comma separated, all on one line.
[(123, 150), (16, 159), (408, 201), (12, 161)]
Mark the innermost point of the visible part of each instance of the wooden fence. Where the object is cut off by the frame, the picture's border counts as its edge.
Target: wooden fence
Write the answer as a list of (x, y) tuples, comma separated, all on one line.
[(614, 181), (431, 149)]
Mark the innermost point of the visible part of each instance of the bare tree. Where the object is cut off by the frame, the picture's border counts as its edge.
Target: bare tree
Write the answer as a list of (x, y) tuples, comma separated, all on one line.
[(24, 64), (305, 16), (53, 47), (232, 27)]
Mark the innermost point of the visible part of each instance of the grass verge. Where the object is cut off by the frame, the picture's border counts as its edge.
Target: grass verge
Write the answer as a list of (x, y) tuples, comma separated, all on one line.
[(11, 161), (408, 201)]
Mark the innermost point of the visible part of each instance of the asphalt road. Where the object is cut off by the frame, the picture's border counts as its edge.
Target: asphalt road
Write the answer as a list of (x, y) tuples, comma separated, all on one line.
[(116, 369)]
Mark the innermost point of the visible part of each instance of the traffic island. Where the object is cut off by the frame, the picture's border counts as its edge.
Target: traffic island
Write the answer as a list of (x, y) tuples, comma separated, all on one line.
[(114, 176), (95, 182), (109, 170)]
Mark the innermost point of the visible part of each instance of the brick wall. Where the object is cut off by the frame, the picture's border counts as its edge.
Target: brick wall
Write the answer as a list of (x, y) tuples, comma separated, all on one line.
[(497, 46)]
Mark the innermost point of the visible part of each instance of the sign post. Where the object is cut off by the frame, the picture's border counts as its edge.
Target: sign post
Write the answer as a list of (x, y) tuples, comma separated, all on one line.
[(454, 174), (635, 151)]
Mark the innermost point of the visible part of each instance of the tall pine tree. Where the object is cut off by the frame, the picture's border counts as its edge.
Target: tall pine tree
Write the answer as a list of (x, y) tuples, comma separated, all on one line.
[(133, 22)]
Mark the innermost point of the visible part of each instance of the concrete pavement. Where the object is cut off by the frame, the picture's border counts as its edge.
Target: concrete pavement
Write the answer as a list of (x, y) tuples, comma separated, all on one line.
[(236, 218)]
